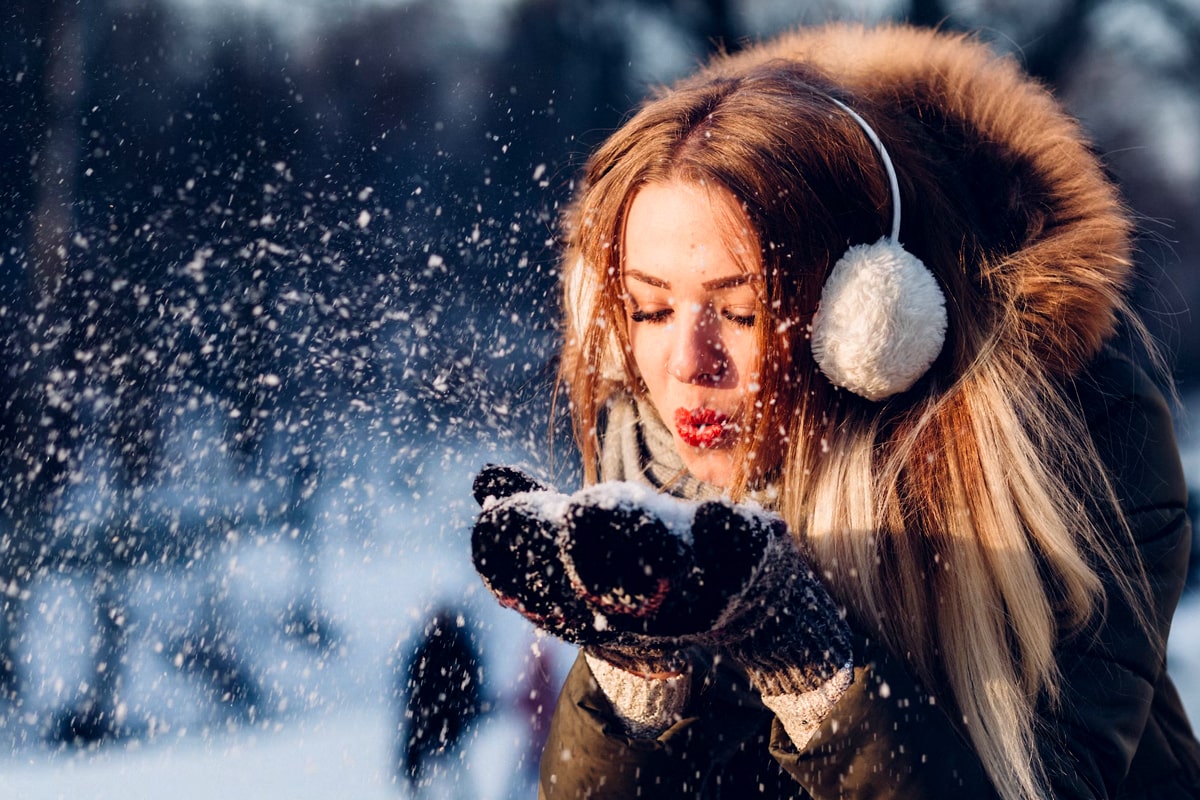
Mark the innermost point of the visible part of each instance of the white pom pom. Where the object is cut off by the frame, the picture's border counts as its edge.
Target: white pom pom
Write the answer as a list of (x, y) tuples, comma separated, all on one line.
[(881, 321)]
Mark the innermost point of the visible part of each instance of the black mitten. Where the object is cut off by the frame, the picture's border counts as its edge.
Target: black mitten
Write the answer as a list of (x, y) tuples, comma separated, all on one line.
[(514, 545), (637, 576)]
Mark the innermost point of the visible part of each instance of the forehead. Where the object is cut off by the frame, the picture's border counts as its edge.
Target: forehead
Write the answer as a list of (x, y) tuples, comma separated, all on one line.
[(681, 230)]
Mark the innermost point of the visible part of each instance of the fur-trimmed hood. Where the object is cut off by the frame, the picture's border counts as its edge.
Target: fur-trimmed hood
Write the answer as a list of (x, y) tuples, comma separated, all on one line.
[(1058, 265)]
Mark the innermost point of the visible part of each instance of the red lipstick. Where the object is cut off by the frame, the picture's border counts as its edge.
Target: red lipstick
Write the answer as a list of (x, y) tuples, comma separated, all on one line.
[(700, 427)]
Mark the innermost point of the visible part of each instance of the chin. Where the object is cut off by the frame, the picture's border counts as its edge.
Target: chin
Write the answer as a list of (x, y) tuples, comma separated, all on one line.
[(714, 467)]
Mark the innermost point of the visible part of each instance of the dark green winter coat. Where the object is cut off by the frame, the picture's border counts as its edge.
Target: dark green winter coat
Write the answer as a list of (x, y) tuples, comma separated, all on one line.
[(1120, 732)]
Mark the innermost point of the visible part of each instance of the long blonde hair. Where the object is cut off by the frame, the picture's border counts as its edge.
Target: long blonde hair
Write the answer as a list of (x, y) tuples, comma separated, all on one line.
[(952, 519)]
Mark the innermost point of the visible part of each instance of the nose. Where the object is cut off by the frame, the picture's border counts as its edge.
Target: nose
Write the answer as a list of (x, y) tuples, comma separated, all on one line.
[(697, 353)]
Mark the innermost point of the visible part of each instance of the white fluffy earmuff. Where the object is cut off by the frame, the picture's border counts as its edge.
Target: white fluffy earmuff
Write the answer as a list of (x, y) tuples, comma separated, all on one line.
[(881, 320)]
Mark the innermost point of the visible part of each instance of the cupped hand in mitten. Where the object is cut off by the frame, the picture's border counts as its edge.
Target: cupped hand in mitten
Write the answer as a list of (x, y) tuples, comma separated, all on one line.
[(518, 546), (637, 576), (714, 573), (614, 562)]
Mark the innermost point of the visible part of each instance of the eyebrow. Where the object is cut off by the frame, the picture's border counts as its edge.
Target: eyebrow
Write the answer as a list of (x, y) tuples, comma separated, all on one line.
[(715, 284)]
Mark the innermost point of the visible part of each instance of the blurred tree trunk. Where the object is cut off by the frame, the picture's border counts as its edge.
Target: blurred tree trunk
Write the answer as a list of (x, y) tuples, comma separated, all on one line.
[(45, 37), (59, 36)]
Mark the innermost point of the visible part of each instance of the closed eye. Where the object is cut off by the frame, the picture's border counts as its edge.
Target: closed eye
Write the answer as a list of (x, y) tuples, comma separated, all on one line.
[(743, 320), (637, 315)]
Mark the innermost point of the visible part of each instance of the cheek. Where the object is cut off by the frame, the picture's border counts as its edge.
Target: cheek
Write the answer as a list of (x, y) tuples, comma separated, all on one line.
[(639, 350), (744, 352), (643, 348)]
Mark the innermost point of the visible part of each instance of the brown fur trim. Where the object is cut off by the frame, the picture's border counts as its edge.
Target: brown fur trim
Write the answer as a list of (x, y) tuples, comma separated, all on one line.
[(1057, 262)]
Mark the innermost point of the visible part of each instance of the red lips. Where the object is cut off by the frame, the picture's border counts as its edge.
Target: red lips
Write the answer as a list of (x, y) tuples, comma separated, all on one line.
[(700, 427)]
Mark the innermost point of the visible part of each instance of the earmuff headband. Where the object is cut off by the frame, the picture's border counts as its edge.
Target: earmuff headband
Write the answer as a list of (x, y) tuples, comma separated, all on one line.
[(887, 164), (881, 321)]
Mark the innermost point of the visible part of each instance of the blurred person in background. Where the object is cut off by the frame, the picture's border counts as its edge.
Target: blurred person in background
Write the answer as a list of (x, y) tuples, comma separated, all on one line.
[(441, 682)]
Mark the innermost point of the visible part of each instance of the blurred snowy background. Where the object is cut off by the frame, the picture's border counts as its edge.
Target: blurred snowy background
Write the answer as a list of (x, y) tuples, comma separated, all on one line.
[(276, 278)]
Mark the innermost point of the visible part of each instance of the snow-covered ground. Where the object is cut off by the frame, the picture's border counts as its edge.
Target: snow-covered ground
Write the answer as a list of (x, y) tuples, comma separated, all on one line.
[(328, 716), (346, 751), (342, 753), (339, 743)]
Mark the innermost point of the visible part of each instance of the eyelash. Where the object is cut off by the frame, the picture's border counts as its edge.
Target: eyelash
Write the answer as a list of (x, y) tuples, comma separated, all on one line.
[(652, 317), (655, 317)]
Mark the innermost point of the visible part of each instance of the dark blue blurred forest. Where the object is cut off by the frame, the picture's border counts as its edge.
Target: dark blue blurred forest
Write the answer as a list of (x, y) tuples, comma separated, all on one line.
[(317, 243)]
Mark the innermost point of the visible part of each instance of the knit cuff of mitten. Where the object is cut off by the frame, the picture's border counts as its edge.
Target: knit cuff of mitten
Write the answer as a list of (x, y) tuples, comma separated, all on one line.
[(646, 660), (645, 706), (784, 673), (802, 714)]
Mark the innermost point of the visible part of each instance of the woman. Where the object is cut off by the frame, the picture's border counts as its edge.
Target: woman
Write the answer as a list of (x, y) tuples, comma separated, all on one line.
[(931, 526)]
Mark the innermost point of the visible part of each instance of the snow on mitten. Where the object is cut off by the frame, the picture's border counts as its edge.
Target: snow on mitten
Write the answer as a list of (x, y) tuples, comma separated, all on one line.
[(496, 482)]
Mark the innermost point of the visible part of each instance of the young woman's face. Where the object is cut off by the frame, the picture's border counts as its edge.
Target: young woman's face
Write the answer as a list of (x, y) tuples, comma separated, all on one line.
[(693, 283)]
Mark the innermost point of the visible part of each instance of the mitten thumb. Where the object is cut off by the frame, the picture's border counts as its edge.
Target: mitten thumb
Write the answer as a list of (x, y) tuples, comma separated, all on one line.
[(497, 482)]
